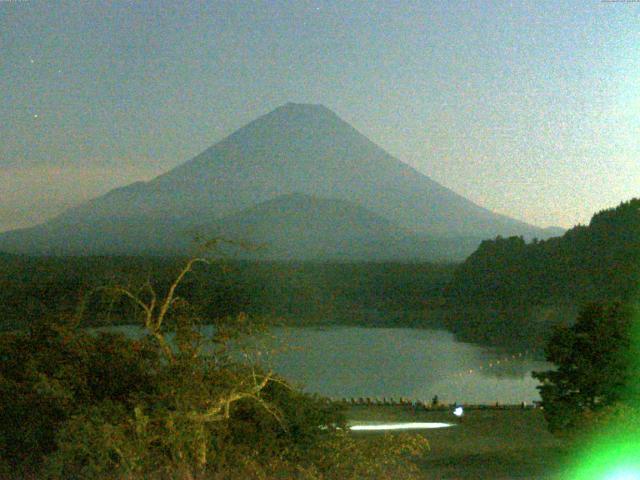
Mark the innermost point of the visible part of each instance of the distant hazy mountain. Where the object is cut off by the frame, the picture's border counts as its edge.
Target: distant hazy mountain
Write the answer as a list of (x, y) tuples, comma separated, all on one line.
[(549, 232), (303, 227), (296, 149), (289, 227)]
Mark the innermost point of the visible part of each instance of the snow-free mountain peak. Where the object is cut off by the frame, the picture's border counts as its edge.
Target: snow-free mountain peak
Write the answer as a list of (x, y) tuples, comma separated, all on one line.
[(296, 148)]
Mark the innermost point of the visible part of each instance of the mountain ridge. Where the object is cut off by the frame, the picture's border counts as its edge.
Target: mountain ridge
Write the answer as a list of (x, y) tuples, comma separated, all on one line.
[(296, 148), (359, 234)]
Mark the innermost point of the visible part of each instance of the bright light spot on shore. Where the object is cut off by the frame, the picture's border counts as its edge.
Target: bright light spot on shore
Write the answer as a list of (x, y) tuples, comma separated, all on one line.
[(401, 426), (458, 412)]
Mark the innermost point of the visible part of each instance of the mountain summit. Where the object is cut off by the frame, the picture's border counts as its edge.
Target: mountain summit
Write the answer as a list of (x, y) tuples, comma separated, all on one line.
[(295, 149)]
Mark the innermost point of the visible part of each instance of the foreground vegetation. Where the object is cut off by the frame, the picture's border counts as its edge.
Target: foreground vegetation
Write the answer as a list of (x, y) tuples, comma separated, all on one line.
[(76, 405), (595, 370)]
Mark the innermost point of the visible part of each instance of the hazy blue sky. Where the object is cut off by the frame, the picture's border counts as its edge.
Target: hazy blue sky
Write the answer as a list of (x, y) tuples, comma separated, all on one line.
[(531, 109)]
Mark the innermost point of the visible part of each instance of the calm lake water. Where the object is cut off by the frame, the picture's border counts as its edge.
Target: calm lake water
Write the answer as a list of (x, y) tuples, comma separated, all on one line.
[(393, 362)]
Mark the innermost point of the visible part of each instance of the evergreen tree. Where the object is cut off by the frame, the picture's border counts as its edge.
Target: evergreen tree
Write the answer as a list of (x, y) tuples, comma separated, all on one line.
[(593, 366)]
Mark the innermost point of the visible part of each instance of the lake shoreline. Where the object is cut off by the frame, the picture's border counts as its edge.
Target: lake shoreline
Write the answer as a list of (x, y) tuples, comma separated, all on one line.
[(383, 363)]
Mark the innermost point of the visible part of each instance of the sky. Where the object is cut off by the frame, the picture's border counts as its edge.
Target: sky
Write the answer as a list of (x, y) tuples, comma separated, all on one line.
[(528, 108)]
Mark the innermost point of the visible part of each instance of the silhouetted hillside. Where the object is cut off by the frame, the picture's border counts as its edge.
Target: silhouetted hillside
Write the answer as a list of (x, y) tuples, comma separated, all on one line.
[(598, 261), (510, 287)]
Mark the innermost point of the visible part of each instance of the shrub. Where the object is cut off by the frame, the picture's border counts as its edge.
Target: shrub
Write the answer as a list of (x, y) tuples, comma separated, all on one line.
[(173, 404)]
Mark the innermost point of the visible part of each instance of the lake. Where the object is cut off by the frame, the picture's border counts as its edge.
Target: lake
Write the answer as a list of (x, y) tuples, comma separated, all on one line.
[(344, 362)]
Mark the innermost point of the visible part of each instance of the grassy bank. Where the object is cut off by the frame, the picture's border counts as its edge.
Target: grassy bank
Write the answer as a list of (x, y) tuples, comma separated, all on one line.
[(484, 444)]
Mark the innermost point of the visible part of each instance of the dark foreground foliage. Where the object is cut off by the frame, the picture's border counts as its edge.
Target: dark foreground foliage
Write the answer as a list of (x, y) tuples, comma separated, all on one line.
[(76, 404), (596, 369)]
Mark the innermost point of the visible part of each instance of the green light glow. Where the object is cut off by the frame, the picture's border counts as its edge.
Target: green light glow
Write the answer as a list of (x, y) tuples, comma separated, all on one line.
[(624, 474), (613, 452), (612, 457)]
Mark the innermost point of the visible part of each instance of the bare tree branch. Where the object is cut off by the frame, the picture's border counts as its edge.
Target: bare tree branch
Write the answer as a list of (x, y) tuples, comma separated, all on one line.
[(168, 300)]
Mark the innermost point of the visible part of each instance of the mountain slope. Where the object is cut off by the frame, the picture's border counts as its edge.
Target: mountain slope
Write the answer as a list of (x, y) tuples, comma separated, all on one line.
[(299, 226), (288, 227), (296, 148)]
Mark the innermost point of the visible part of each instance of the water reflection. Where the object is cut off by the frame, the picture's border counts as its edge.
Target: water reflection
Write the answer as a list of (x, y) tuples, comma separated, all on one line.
[(418, 364), (401, 362)]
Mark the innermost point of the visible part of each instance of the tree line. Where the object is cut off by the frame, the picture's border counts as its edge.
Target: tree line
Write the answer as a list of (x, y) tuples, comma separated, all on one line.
[(293, 292), (509, 288)]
